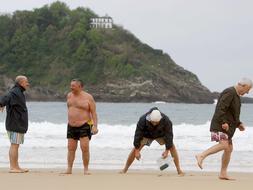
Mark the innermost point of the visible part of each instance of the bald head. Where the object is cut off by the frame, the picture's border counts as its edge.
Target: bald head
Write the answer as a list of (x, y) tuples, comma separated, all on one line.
[(22, 81)]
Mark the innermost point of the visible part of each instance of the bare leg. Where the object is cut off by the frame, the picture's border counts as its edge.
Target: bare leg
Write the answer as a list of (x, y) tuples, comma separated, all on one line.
[(130, 160), (214, 149), (225, 161), (72, 145), (13, 156), (175, 156), (84, 144)]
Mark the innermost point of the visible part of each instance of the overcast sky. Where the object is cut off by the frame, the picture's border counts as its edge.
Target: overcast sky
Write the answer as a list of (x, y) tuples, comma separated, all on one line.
[(211, 38)]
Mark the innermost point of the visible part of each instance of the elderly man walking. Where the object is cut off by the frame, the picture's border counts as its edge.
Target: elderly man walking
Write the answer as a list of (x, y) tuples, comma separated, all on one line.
[(225, 121), (16, 120)]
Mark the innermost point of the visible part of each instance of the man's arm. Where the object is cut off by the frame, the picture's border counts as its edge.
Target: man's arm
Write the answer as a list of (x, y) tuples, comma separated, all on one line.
[(168, 137), (67, 98), (4, 101), (93, 115), (223, 106), (241, 127), (138, 136)]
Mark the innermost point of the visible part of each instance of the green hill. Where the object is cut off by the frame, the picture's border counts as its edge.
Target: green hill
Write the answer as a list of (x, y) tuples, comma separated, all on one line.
[(53, 44)]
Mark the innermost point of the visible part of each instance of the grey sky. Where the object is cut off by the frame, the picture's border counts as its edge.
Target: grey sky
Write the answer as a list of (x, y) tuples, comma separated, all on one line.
[(211, 38)]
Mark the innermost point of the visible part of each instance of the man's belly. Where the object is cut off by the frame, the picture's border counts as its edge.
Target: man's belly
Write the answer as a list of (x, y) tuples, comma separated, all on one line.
[(77, 117)]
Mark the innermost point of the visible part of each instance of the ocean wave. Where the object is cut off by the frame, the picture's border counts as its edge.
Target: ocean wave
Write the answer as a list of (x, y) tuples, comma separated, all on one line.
[(186, 136)]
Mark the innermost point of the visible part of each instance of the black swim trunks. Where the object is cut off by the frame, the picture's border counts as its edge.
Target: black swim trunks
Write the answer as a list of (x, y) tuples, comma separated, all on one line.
[(78, 132)]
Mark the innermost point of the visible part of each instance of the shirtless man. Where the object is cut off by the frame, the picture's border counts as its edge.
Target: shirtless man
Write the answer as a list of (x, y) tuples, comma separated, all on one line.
[(81, 113)]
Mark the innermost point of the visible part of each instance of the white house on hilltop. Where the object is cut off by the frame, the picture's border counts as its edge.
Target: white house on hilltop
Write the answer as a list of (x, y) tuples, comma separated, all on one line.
[(101, 22)]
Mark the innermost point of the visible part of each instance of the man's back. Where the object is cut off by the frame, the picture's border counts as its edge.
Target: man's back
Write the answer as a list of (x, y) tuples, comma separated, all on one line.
[(227, 111), (145, 129), (17, 114), (157, 131)]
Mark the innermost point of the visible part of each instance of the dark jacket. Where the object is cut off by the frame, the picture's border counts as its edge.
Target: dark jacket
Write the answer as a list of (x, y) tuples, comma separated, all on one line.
[(146, 129), (17, 115), (227, 111)]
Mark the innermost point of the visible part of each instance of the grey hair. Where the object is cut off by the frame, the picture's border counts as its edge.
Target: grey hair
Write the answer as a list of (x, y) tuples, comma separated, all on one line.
[(246, 81), (20, 78)]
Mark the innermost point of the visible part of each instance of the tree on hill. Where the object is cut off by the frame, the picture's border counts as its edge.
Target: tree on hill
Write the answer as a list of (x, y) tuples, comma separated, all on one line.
[(53, 44)]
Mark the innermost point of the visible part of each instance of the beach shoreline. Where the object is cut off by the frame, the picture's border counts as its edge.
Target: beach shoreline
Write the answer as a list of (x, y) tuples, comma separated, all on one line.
[(47, 179)]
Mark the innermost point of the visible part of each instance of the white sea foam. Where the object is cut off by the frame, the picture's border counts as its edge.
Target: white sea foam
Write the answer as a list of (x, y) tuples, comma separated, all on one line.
[(46, 146), (186, 136), (160, 102)]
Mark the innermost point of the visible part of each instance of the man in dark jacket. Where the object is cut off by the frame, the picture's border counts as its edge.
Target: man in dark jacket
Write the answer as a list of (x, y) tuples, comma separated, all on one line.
[(153, 125), (225, 121), (16, 120)]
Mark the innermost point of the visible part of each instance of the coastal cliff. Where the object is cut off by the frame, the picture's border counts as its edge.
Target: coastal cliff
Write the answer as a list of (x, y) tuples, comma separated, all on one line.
[(53, 44)]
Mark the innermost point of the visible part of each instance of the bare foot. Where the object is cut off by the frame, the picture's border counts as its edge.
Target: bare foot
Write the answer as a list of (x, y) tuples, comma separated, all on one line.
[(199, 160), (122, 172), (226, 178), (181, 173), (87, 173), (68, 172), (19, 170), (25, 170)]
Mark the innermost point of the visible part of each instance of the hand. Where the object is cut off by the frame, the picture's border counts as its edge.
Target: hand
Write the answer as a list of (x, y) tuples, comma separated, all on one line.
[(241, 127), (94, 130), (137, 154), (165, 154), (1, 109), (225, 126)]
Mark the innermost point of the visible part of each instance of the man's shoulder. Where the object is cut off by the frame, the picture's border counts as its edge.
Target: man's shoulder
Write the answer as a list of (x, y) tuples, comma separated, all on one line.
[(167, 121), (69, 94), (142, 119), (164, 116), (87, 95), (15, 90), (230, 91)]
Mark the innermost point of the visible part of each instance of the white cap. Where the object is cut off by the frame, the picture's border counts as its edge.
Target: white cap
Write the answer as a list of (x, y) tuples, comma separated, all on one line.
[(155, 116)]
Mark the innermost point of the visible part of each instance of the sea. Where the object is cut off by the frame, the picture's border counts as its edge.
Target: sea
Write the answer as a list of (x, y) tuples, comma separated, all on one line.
[(46, 144)]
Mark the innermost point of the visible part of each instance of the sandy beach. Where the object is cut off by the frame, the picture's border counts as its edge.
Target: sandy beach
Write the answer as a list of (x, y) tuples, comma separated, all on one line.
[(51, 179)]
